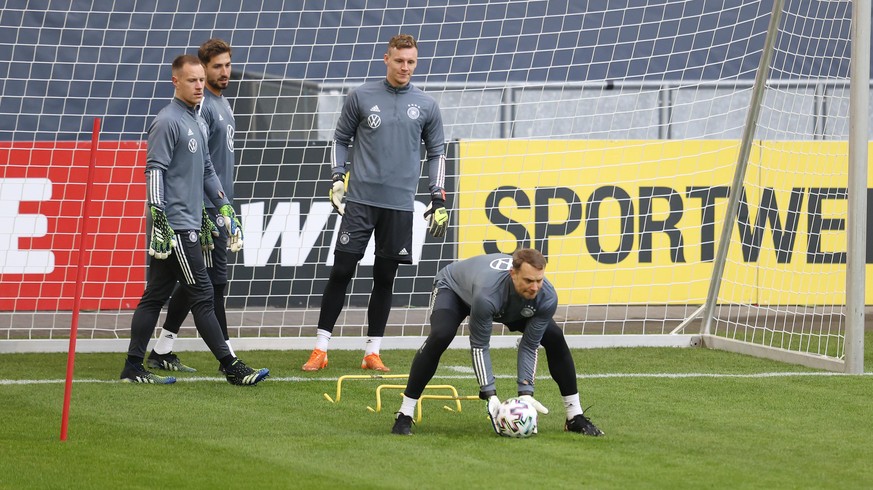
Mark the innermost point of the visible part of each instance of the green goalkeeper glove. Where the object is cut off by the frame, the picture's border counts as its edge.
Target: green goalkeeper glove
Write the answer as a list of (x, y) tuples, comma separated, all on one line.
[(436, 214), (163, 237), (337, 191), (208, 232), (229, 220)]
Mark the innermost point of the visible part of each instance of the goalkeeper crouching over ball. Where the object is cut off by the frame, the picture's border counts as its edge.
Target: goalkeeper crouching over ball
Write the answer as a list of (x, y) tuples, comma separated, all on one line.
[(512, 290), (179, 173)]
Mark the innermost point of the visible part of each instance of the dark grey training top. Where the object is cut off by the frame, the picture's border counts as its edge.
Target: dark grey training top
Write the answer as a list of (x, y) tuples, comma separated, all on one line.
[(384, 126), (483, 282), (221, 127), (179, 172)]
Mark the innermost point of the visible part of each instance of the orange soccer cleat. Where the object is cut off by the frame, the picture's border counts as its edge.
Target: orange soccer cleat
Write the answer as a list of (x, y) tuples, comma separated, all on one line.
[(374, 362), (317, 360)]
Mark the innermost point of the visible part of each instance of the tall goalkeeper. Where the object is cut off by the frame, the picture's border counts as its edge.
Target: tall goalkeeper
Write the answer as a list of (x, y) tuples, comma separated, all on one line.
[(512, 290), (179, 173), (215, 55), (376, 157)]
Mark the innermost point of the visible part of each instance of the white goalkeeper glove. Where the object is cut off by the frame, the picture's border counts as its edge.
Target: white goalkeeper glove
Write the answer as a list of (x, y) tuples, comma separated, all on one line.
[(208, 232), (436, 214), (534, 403), (163, 237), (227, 218), (492, 406), (338, 191)]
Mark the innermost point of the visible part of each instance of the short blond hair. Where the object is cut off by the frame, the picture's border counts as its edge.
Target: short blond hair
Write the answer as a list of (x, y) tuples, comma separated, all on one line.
[(402, 41), (184, 59)]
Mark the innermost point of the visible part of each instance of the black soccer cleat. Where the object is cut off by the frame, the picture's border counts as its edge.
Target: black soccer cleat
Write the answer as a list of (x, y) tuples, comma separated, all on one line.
[(135, 373), (168, 362), (582, 425), (402, 425), (240, 374)]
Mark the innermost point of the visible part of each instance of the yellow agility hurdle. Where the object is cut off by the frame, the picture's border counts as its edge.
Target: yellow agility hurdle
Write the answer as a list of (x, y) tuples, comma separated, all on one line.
[(339, 382), (400, 387), (454, 397)]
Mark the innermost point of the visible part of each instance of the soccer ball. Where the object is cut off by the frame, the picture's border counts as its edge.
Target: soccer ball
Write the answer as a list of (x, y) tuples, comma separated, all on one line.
[(516, 418)]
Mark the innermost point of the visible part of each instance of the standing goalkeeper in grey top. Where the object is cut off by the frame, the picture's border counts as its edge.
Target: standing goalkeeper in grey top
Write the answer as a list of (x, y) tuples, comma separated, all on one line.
[(511, 290), (216, 113), (179, 174), (376, 164)]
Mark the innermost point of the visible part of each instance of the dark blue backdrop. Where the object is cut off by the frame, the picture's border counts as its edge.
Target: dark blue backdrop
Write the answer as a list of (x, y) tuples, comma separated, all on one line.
[(64, 62)]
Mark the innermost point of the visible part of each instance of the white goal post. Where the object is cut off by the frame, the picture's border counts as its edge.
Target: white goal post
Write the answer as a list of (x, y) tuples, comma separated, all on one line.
[(694, 171), (814, 343)]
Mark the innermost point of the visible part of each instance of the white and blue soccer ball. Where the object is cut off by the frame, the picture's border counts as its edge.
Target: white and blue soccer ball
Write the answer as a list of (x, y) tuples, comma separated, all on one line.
[(516, 418)]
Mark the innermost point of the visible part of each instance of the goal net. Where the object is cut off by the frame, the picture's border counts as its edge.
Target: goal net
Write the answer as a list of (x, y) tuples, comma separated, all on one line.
[(606, 134)]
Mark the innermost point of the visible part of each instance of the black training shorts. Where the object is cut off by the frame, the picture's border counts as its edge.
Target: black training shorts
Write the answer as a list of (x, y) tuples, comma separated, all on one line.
[(392, 229)]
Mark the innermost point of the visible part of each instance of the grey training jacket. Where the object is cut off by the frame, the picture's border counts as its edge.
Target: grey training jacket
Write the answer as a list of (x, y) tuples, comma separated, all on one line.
[(216, 112), (483, 283), (179, 172), (384, 127)]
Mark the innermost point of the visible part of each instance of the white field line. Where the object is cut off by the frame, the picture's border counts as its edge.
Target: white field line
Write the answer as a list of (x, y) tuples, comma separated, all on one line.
[(299, 379)]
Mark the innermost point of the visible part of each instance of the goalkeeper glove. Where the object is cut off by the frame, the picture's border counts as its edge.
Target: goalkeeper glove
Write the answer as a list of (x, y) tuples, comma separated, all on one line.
[(492, 406), (532, 402), (436, 214), (163, 237), (338, 191), (208, 232), (229, 220)]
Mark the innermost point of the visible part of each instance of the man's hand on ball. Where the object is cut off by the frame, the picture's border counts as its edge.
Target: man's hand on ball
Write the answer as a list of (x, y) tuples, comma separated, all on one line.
[(492, 405), (534, 403)]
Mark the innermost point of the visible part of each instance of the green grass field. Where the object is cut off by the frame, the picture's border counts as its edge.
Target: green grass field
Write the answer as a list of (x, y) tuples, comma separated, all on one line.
[(674, 418)]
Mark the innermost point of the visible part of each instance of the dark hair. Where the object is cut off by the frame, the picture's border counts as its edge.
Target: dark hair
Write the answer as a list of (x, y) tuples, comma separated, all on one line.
[(212, 48), (528, 256), (402, 41), (184, 59)]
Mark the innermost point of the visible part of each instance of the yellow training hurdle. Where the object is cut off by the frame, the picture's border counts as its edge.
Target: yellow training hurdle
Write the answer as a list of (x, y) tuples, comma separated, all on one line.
[(339, 382), (453, 397)]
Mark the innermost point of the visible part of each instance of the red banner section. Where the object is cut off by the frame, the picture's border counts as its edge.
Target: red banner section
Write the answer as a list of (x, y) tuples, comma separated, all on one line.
[(42, 191)]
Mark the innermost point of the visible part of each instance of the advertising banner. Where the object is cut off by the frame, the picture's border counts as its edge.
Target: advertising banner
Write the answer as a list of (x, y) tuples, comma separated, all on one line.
[(290, 230), (637, 222), (622, 222), (42, 193)]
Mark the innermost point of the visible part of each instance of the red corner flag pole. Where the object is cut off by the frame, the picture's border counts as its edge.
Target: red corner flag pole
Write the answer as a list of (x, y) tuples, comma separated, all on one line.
[(80, 279)]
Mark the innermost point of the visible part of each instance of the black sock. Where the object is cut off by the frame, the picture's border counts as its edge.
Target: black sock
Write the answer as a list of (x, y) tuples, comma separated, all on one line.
[(227, 360), (136, 361)]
